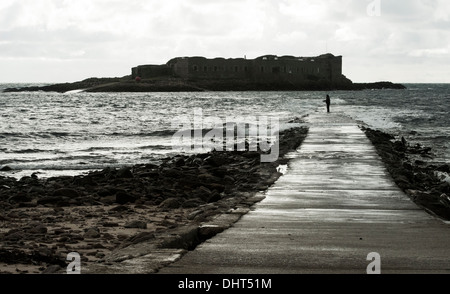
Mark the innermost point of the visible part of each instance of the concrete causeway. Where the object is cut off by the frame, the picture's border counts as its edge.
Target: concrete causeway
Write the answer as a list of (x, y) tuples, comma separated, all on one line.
[(335, 204)]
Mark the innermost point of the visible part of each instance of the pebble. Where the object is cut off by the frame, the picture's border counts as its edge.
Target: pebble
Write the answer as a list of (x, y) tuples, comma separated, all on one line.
[(136, 225), (92, 233)]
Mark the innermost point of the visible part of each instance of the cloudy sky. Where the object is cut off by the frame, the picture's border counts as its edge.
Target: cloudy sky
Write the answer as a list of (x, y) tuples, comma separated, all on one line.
[(403, 41)]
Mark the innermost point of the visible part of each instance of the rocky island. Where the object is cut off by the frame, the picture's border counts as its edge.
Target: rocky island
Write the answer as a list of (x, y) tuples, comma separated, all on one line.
[(193, 74)]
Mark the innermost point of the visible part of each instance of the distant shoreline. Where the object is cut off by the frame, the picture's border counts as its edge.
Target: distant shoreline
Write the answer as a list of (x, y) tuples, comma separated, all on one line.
[(126, 84)]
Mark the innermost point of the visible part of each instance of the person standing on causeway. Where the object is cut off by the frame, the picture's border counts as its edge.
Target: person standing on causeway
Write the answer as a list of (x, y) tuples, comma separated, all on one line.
[(328, 102)]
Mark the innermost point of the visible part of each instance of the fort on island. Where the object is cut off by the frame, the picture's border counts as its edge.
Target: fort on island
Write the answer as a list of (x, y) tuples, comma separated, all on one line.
[(325, 68), (186, 74)]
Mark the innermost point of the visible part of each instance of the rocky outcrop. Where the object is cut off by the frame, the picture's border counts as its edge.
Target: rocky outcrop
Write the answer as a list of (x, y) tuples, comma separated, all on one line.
[(407, 165), (172, 84), (377, 86)]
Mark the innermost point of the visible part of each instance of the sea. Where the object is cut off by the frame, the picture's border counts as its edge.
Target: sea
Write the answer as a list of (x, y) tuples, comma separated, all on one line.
[(65, 134)]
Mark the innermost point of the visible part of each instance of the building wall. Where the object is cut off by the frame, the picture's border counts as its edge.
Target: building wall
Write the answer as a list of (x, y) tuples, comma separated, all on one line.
[(200, 67), (150, 71), (269, 68), (336, 68), (296, 69), (179, 66)]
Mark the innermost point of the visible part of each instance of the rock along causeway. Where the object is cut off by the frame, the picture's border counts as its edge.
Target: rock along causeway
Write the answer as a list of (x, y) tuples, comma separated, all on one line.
[(335, 204)]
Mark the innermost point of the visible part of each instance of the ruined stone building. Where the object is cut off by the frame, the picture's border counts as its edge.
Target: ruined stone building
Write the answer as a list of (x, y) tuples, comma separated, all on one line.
[(268, 68)]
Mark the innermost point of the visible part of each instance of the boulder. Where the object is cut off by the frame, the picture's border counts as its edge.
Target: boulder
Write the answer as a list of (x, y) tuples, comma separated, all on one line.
[(49, 200), (120, 208), (192, 203), (123, 197), (5, 169), (444, 199), (124, 173), (21, 197), (141, 237), (172, 173), (36, 190), (52, 269), (14, 236), (92, 233), (171, 203), (38, 229), (214, 197), (217, 187), (136, 225), (110, 224), (208, 178), (71, 193), (444, 168)]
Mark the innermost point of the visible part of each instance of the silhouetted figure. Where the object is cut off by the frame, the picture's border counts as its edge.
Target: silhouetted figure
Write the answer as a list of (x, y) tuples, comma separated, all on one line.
[(328, 102)]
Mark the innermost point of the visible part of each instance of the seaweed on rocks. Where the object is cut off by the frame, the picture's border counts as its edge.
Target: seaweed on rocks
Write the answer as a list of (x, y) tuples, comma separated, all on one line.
[(414, 176), (41, 219), (200, 176)]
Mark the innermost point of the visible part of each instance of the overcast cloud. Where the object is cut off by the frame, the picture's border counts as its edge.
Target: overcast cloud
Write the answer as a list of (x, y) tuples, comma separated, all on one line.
[(68, 40)]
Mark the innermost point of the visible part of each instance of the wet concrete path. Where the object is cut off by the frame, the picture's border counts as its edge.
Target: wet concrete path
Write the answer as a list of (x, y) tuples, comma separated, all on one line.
[(335, 205)]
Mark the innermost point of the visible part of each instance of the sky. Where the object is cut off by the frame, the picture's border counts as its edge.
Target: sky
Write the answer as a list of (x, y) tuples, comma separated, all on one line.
[(403, 41)]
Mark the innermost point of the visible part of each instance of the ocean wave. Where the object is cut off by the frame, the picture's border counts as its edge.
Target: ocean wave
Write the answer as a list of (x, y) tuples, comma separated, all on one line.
[(155, 147), (93, 149), (160, 133), (43, 135), (32, 151), (62, 134), (56, 167), (10, 134), (55, 159), (95, 130), (59, 135)]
